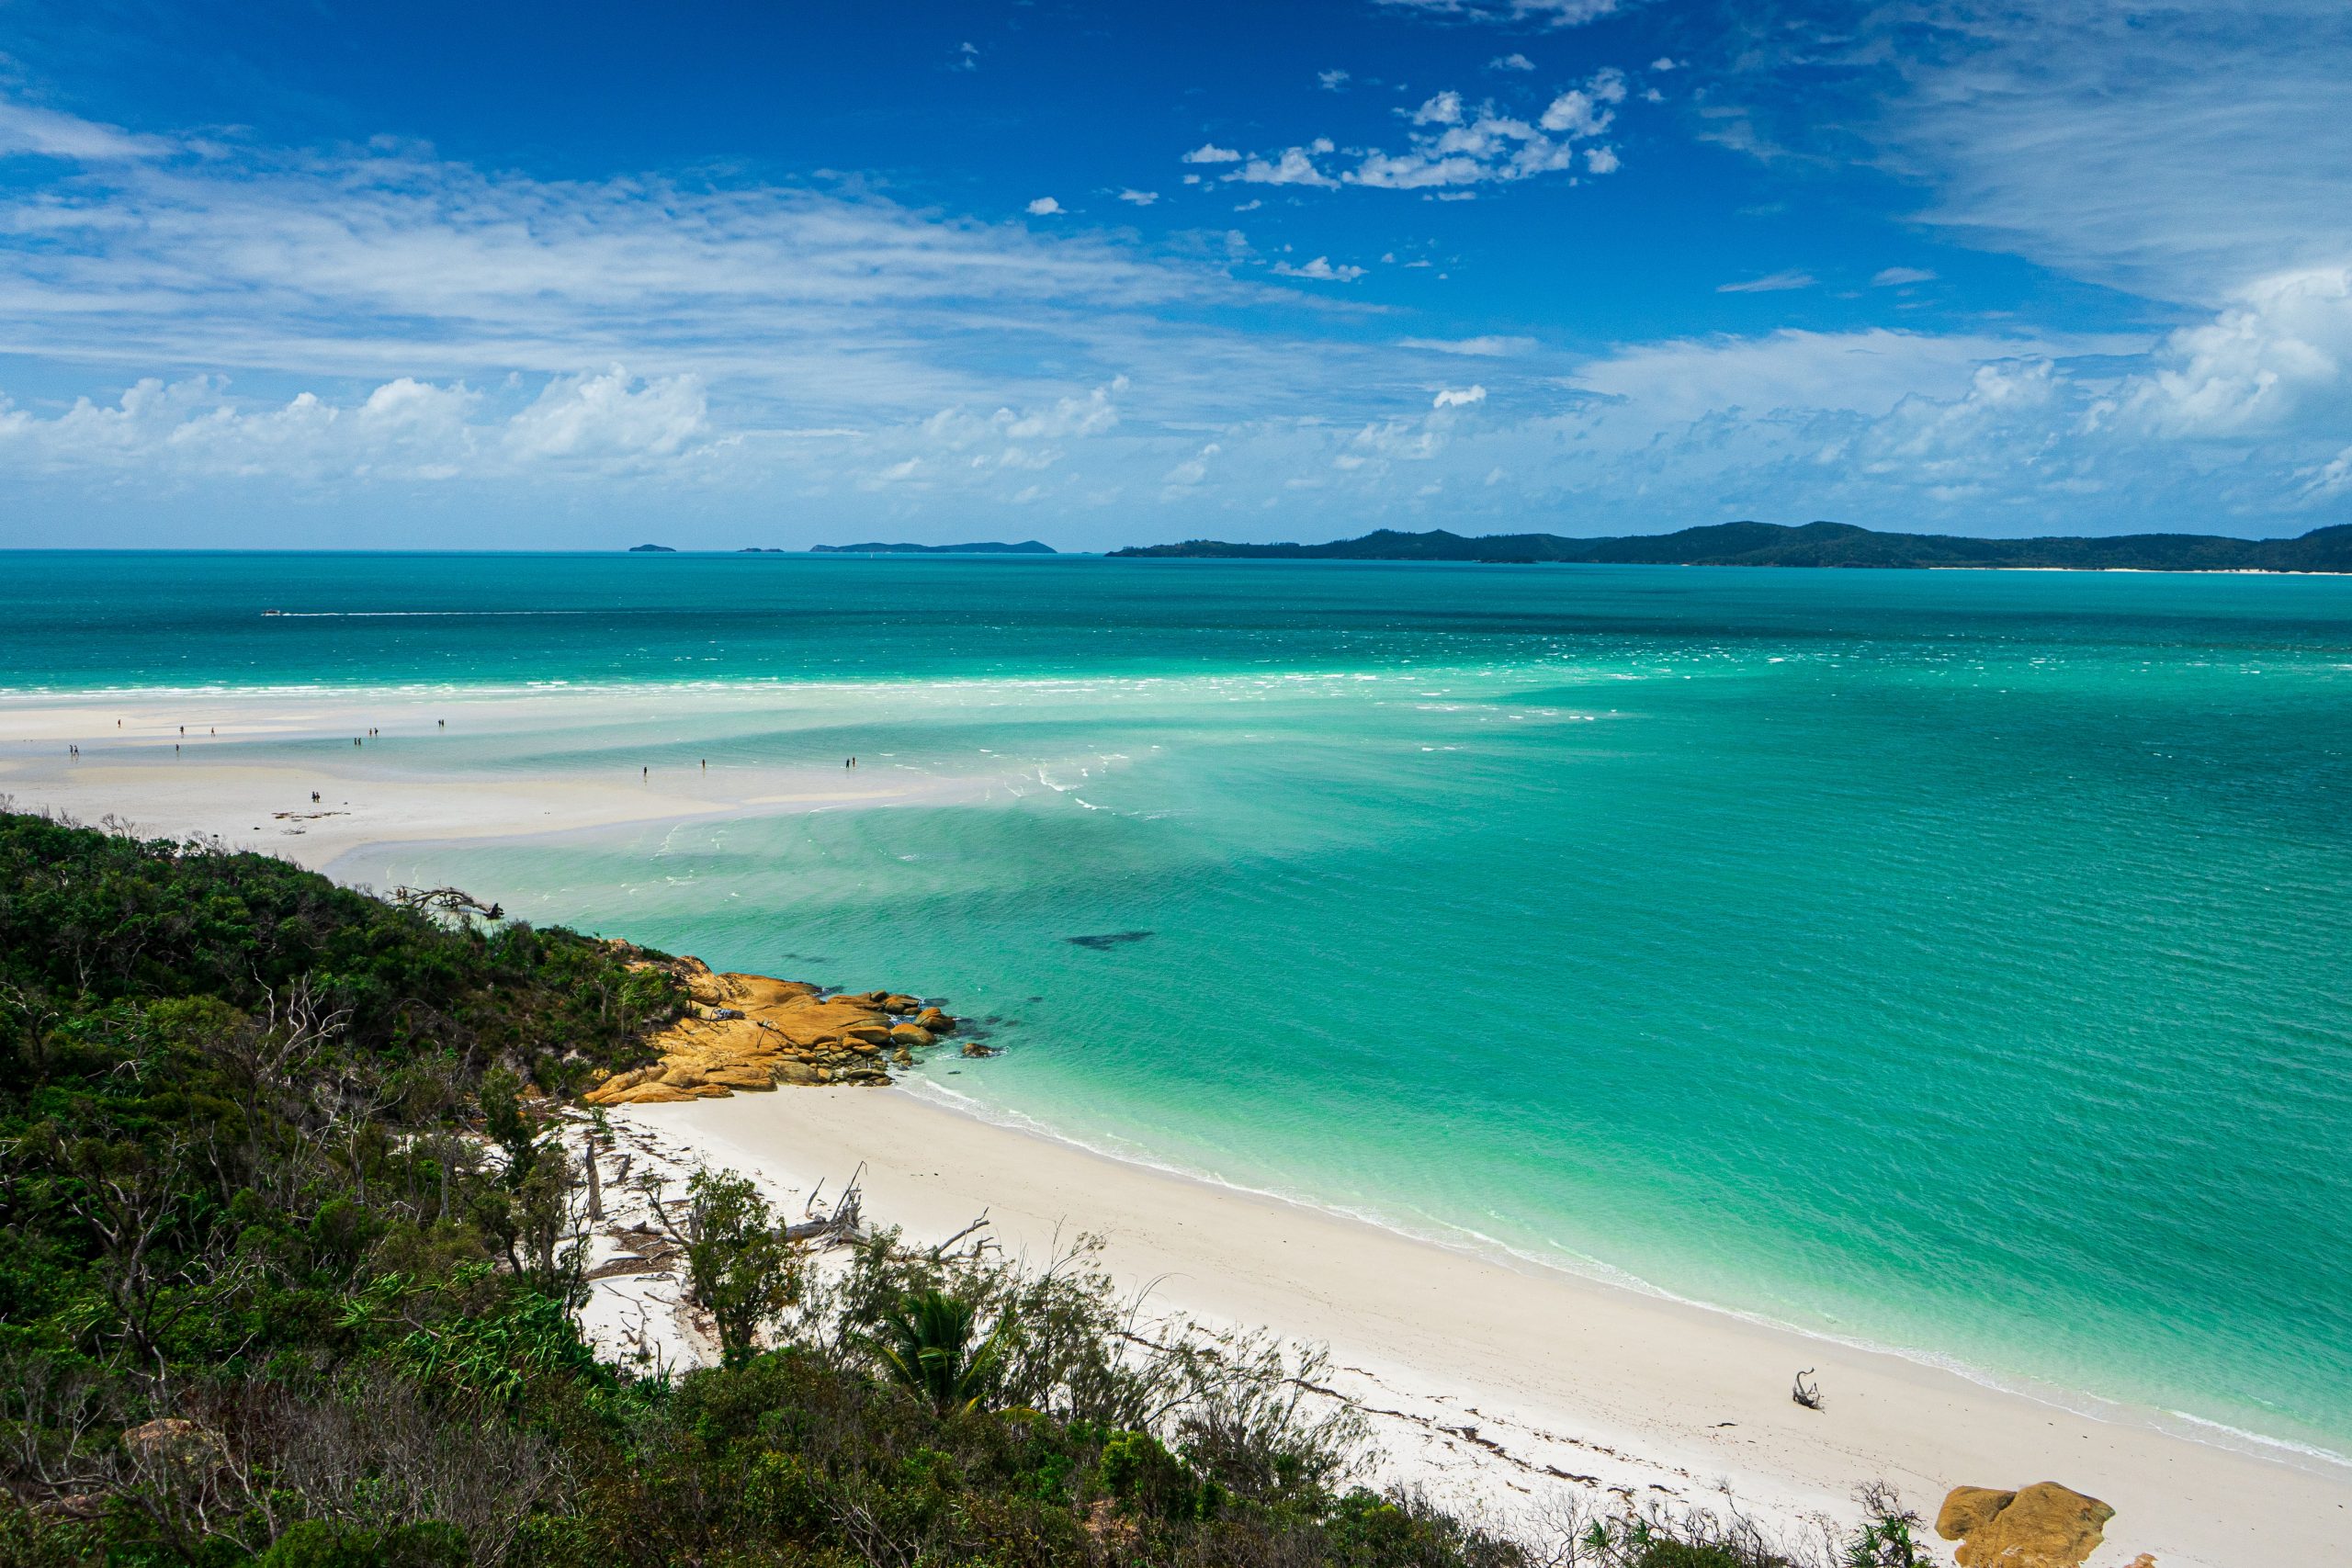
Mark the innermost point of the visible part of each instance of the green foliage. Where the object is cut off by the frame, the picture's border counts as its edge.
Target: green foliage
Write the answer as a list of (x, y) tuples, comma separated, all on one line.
[(1683, 1554), (314, 1543), (926, 1348), (739, 1268)]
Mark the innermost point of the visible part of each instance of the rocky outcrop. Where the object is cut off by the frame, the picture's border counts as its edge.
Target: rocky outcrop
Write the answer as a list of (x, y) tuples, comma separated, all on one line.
[(752, 1032), (2043, 1526)]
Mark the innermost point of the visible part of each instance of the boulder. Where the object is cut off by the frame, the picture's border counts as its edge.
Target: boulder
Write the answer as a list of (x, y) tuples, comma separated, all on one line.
[(796, 1073), (655, 1094), (935, 1021), (2041, 1525), (908, 1037), (974, 1048), (897, 1002)]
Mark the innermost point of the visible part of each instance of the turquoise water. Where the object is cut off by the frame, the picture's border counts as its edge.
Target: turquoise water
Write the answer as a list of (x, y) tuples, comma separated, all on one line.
[(1955, 962)]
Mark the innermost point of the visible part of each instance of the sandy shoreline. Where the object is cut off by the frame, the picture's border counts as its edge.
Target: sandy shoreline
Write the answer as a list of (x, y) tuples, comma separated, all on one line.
[(1657, 1400), (245, 766), (1515, 1377)]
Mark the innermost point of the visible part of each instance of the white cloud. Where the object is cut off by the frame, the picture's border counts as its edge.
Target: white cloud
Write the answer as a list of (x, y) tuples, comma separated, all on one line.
[(1486, 348), (2279, 353), (967, 58), (1210, 152), (1043, 207), (1511, 62), (1445, 108), (1331, 81), (404, 429), (45, 133), (1771, 283), (1139, 197), (1863, 372), (1580, 111), (608, 415), (1457, 146), (1548, 13), (1894, 277), (1458, 397), (1291, 166), (2097, 138), (1322, 269)]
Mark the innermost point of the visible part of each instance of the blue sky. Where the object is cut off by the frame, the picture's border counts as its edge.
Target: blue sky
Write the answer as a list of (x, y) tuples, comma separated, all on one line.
[(311, 273)]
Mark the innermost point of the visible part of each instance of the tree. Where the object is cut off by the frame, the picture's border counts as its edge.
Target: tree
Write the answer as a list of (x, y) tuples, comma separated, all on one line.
[(926, 1348), (739, 1266)]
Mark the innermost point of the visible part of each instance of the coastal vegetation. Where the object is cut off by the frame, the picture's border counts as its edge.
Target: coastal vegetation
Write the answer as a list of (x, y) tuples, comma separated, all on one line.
[(290, 1259), (1813, 544)]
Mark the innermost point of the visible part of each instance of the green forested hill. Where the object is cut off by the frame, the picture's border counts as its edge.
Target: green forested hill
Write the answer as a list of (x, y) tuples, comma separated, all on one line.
[(1816, 543)]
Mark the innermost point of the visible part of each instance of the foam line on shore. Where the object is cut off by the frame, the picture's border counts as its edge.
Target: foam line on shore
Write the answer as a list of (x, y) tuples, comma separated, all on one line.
[(1467, 1242)]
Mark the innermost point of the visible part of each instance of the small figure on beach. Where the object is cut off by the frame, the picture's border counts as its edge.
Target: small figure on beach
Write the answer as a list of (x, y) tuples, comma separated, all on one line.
[(315, 797), (441, 723)]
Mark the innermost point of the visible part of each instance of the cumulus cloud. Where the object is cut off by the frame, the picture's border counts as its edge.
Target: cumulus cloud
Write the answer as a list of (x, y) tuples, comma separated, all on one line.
[(1455, 145), (1043, 207), (1139, 197), (2279, 353), (1511, 62), (1210, 152), (1458, 397), (1331, 81), (402, 430), (1291, 166), (1321, 269)]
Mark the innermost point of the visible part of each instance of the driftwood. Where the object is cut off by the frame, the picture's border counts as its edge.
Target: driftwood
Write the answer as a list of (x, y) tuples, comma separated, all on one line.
[(1806, 1393), (446, 901), (845, 1221)]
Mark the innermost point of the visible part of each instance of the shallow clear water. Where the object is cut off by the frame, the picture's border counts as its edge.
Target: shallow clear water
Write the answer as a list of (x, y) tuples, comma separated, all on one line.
[(1952, 960)]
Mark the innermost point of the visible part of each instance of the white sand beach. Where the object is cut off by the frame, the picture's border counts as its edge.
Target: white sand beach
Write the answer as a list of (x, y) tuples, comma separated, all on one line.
[(243, 768), (1495, 1381), (1626, 1394)]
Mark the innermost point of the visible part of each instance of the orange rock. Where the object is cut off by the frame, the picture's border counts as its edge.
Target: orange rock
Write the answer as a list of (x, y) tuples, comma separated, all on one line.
[(2041, 1525)]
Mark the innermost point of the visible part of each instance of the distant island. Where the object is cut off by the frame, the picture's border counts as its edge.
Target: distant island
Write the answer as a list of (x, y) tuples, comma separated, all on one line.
[(652, 550), (1026, 548), (1813, 544)]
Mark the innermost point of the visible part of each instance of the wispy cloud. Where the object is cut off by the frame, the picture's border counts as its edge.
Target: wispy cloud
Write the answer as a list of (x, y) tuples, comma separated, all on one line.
[(1896, 276), (1484, 347), (1772, 283), (1547, 13)]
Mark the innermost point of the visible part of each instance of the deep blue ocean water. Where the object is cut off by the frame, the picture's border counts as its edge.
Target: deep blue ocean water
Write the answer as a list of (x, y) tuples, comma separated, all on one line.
[(1957, 962)]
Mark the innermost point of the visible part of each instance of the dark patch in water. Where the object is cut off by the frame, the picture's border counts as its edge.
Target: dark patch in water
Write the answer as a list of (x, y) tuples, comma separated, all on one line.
[(1115, 939)]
